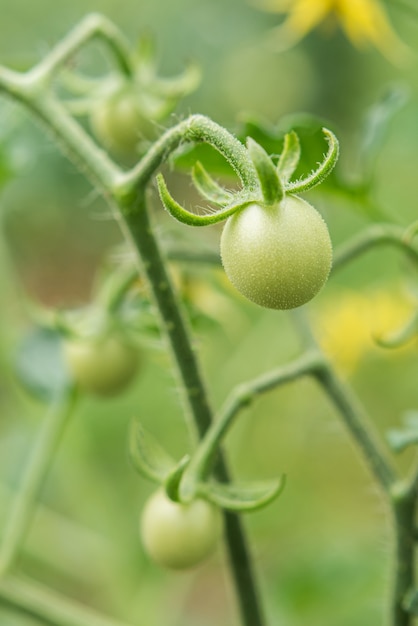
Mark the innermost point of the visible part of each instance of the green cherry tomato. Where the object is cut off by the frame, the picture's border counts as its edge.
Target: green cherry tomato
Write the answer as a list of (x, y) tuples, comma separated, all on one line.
[(277, 256), (102, 365), (179, 536), (118, 122)]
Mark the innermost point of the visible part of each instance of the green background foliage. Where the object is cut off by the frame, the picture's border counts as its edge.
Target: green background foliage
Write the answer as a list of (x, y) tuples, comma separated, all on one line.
[(322, 549)]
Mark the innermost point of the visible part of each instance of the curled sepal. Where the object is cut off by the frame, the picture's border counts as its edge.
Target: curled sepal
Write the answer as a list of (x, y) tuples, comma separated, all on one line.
[(208, 188), (147, 456), (173, 479), (402, 336), (179, 86), (250, 497), (270, 184), (289, 157), (324, 169), (187, 217)]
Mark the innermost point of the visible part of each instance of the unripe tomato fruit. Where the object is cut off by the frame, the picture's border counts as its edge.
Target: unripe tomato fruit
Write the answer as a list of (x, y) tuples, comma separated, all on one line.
[(118, 123), (179, 536), (102, 365), (277, 256)]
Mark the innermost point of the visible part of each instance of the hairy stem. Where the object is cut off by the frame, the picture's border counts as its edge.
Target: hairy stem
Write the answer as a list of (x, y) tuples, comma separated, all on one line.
[(404, 505), (242, 396), (197, 401), (94, 26), (359, 427), (34, 476)]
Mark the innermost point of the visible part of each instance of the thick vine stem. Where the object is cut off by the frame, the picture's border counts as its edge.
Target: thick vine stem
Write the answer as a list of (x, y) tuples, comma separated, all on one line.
[(196, 128), (404, 508), (173, 323), (34, 476)]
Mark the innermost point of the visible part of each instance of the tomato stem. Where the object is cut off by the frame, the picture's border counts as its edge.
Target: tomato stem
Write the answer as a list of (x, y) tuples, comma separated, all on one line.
[(35, 472)]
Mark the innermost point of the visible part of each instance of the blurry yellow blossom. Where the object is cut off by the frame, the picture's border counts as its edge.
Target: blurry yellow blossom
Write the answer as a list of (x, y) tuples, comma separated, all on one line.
[(363, 21), (350, 323)]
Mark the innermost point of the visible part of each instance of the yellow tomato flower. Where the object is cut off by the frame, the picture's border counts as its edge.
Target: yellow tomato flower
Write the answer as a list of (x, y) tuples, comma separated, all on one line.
[(363, 21), (349, 325)]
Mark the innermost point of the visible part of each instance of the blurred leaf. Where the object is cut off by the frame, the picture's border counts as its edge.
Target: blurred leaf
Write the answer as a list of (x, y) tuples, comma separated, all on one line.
[(376, 127), (40, 366), (243, 497), (147, 456), (411, 602)]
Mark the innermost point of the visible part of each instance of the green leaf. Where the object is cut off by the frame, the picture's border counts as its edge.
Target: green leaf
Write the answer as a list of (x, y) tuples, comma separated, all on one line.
[(250, 497), (209, 188), (147, 456), (40, 366), (269, 179), (376, 126)]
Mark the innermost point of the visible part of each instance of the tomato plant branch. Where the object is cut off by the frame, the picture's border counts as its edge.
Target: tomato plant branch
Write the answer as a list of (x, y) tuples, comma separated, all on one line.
[(376, 235), (94, 26), (359, 426), (242, 396), (196, 128), (53, 609), (33, 479)]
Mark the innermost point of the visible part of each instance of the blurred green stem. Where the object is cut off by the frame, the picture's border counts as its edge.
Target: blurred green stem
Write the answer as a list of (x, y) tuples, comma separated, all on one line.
[(35, 600), (376, 235), (33, 479)]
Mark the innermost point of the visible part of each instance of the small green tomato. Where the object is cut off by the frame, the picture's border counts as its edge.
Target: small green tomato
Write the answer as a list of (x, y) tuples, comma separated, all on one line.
[(118, 122), (102, 365), (179, 536), (277, 256)]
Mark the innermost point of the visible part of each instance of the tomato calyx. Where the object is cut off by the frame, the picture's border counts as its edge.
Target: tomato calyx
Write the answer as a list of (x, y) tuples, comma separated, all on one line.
[(187, 480), (274, 182)]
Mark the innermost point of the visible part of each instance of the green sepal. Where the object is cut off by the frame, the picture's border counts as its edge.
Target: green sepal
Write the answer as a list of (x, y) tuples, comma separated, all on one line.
[(172, 481), (208, 188), (289, 158), (250, 497), (179, 86), (147, 456), (270, 184), (324, 169), (191, 219)]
